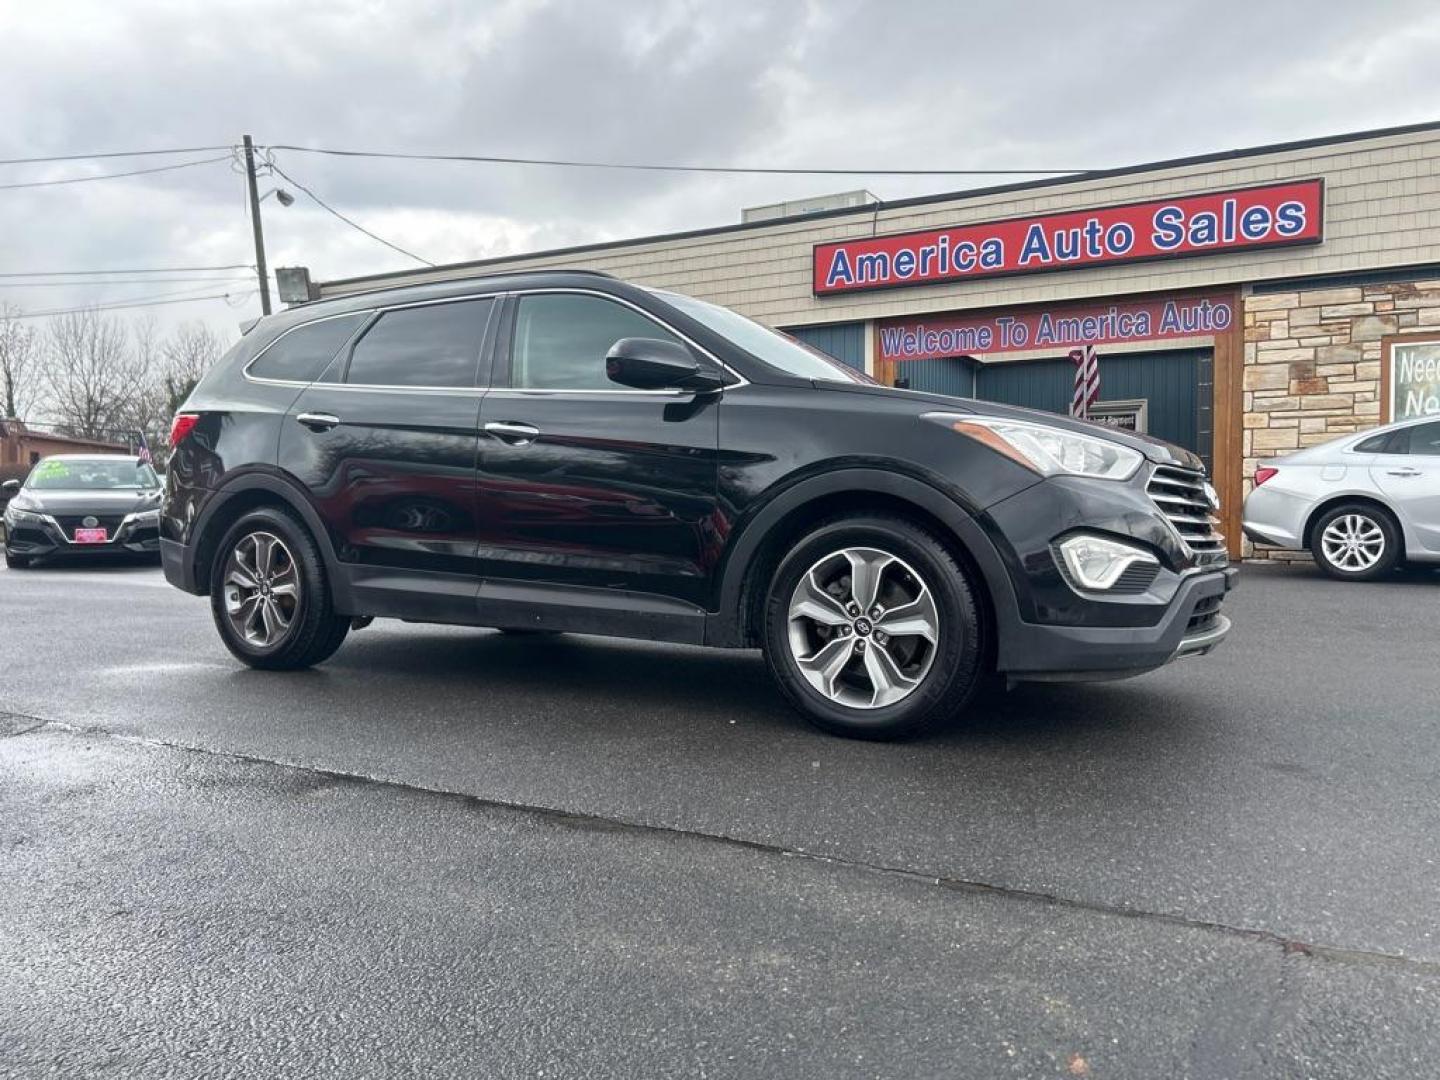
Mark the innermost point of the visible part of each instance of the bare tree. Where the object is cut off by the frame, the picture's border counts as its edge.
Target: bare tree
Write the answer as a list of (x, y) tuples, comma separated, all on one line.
[(94, 377), (186, 355), (147, 410), (18, 374)]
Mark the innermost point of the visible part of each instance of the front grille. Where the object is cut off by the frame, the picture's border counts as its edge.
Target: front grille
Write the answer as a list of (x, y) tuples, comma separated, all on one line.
[(70, 522), (1204, 616), (1180, 496)]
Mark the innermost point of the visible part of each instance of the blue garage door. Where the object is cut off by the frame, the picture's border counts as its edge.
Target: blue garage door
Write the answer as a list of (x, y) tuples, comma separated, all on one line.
[(955, 376), (844, 341), (1176, 385)]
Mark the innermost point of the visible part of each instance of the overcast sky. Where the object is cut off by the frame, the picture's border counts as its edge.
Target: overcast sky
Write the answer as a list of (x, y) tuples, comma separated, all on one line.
[(824, 83)]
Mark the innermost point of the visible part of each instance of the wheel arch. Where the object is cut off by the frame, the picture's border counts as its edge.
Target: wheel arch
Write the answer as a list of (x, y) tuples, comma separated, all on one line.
[(1335, 501), (757, 551), (252, 491)]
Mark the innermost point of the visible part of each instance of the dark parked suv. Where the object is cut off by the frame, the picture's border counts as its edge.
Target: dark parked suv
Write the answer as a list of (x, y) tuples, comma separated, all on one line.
[(562, 451)]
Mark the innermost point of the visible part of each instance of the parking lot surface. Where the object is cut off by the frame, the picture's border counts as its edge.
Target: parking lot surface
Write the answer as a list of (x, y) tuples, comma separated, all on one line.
[(451, 852)]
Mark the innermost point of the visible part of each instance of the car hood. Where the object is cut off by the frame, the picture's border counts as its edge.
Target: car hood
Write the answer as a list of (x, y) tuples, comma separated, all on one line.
[(86, 502), (1156, 450)]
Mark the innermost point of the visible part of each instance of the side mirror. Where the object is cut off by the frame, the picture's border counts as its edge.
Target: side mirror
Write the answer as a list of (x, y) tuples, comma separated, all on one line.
[(652, 364), (10, 487)]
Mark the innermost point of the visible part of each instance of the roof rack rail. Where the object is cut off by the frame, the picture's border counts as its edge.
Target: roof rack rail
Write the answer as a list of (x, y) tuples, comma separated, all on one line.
[(459, 276)]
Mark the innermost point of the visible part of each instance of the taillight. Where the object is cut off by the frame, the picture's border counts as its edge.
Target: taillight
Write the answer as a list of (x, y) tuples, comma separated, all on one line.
[(180, 427), (1263, 473)]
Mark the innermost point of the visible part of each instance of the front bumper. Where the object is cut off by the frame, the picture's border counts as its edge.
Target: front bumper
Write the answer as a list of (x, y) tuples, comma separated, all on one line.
[(36, 539), (1192, 625)]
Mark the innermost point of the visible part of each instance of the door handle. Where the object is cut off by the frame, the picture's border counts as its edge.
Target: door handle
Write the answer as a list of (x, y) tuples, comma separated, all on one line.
[(317, 421), (1402, 472), (517, 434)]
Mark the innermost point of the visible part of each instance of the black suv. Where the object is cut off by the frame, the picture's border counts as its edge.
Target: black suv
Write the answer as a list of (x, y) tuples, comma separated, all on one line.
[(562, 451)]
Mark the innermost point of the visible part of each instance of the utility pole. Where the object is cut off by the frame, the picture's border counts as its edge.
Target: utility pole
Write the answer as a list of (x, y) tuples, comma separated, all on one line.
[(255, 226)]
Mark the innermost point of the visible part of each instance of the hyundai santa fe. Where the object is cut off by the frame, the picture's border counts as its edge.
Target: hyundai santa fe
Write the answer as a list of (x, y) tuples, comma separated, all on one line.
[(563, 451)]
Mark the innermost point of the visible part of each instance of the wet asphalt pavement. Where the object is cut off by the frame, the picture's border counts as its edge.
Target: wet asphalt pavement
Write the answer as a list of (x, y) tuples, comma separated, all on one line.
[(453, 853)]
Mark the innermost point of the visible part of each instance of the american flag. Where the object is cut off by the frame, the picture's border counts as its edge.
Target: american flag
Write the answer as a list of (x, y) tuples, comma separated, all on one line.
[(143, 454), (1087, 381)]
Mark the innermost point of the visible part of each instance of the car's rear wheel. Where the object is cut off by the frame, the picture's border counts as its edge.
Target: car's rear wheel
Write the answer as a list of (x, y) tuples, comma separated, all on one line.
[(1356, 542), (269, 594), (872, 629)]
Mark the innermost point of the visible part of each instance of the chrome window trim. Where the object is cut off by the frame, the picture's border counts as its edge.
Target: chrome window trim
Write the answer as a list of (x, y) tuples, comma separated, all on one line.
[(263, 380), (380, 388), (520, 294), (373, 314)]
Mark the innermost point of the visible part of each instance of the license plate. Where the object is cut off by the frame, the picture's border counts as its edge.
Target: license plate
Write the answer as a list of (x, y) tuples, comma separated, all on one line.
[(92, 536)]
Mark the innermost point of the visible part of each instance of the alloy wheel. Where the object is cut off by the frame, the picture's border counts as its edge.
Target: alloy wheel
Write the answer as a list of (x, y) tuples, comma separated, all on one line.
[(863, 628), (262, 589), (1353, 542)]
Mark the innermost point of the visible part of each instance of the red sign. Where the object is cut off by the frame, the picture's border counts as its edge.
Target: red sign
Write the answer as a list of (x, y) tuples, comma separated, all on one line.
[(1059, 328), (1275, 215)]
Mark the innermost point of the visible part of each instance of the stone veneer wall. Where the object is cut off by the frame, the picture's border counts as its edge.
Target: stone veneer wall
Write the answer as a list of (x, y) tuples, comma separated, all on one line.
[(1312, 365)]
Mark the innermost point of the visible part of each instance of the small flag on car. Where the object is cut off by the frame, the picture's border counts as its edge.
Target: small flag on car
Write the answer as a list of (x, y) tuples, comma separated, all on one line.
[(1087, 381), (143, 454)]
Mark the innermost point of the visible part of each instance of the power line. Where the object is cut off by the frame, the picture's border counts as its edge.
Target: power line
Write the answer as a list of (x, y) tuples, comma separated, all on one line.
[(642, 167), (490, 159), (114, 176), (122, 281), (125, 270), (348, 221), (135, 304), (112, 154)]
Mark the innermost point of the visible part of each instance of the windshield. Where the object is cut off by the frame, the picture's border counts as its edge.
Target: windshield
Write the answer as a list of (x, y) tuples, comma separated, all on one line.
[(91, 474), (779, 350)]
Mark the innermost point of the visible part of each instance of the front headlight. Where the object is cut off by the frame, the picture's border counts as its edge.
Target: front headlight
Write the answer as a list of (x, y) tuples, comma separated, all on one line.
[(1048, 450), (14, 516)]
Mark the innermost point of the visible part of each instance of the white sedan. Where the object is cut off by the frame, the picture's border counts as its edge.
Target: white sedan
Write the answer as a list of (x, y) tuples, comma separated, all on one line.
[(1361, 504)]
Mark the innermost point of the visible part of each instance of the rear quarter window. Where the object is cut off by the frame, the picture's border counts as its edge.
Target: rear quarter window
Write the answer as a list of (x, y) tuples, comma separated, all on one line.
[(303, 353)]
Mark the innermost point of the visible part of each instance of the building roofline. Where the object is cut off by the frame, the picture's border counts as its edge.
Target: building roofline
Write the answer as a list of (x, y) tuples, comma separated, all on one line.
[(918, 200)]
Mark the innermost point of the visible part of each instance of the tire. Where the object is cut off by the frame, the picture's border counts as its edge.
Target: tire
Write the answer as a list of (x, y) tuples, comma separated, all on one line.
[(16, 562), (312, 631), (925, 683), (1356, 542)]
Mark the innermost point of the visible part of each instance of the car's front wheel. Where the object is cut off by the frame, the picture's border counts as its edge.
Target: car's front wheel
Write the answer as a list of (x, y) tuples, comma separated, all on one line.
[(1356, 542), (269, 595), (872, 629)]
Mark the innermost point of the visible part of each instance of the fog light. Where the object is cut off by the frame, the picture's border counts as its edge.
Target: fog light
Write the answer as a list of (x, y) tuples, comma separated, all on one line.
[(1096, 563)]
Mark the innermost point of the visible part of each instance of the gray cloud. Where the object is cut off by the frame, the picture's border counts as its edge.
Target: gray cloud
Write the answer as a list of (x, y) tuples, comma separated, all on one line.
[(743, 81)]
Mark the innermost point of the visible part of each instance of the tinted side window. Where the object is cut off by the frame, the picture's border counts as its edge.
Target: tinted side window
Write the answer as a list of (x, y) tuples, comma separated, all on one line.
[(301, 355), (1425, 439), (561, 340), (1375, 444), (434, 345)]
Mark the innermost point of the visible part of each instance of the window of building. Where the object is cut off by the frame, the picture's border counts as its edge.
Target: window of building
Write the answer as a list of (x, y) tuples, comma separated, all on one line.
[(431, 345), (302, 354), (561, 340)]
